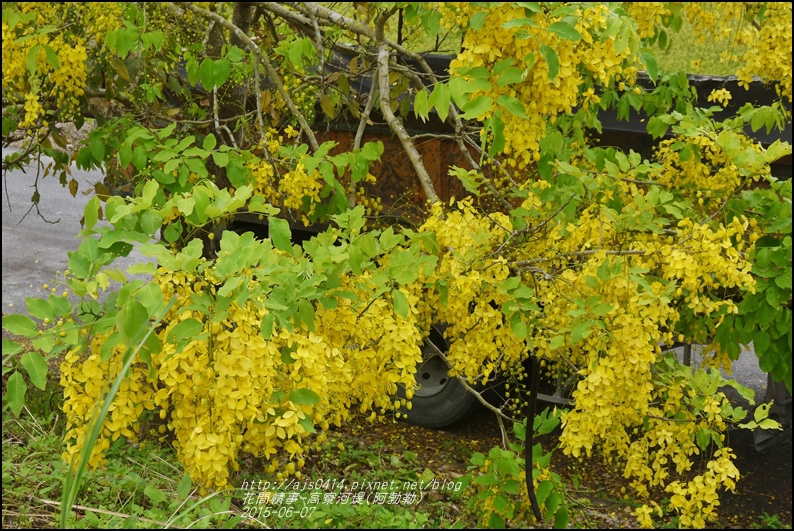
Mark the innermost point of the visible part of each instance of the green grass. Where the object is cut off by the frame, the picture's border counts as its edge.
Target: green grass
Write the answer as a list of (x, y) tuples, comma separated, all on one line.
[(143, 485), (684, 54), (395, 485), (139, 487)]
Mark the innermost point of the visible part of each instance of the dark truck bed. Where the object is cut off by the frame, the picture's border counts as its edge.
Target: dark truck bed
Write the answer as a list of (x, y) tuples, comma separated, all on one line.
[(398, 186)]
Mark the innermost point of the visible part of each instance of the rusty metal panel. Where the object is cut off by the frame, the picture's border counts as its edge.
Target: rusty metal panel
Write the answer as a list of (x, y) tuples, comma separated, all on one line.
[(397, 183)]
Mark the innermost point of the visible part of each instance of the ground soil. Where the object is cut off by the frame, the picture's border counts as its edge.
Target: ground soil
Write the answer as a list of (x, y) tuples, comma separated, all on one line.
[(595, 489)]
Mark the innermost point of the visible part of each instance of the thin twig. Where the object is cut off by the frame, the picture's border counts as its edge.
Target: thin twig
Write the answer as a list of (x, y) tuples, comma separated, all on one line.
[(271, 72), (218, 126), (362, 125)]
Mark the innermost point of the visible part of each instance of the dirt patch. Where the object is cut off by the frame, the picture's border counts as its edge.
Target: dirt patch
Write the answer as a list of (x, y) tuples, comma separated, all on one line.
[(596, 492)]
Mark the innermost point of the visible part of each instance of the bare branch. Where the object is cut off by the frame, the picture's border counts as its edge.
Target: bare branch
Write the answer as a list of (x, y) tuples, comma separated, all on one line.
[(495, 410), (362, 124), (339, 20), (394, 123), (218, 126), (271, 72), (578, 254)]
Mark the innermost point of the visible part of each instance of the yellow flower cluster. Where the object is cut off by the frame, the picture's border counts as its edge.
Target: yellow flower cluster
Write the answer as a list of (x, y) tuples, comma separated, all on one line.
[(481, 340), (56, 84), (710, 261), (616, 389), (227, 390), (696, 501), (300, 188), (665, 445), (722, 96), (648, 15), (374, 340), (707, 166), (584, 274), (767, 44), (86, 379), (581, 63)]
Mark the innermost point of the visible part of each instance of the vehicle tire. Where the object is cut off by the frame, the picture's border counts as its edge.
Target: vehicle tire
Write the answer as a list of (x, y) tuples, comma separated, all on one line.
[(439, 400)]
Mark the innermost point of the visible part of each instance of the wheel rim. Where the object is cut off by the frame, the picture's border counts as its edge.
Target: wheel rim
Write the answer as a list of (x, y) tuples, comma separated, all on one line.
[(431, 377)]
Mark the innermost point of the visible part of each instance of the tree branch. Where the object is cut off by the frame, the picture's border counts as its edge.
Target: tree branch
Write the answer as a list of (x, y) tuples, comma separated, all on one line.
[(271, 72), (578, 254), (495, 410), (362, 124), (394, 123)]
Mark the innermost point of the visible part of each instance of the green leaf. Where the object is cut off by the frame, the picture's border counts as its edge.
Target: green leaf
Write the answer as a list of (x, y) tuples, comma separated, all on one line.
[(622, 42), (566, 31), (486, 479), (36, 366), (502, 505), (518, 326), (139, 158), (286, 355), (478, 19), (603, 272), (189, 328), (307, 425), (132, 321), (280, 234), (513, 105), (650, 65), (519, 22), (703, 437), (97, 150), (306, 313), (154, 494), (544, 489), (40, 308), (553, 503), (91, 212), (520, 431), (267, 326), (476, 107), (237, 173), (11, 348), (214, 73), (151, 297), (304, 397), (221, 159), (552, 60), (15, 392), (20, 325), (556, 342), (784, 281), (477, 458), (420, 105), (32, 65), (327, 105), (52, 57), (511, 486), (581, 331), (400, 303), (440, 100), (662, 40), (510, 76), (125, 155), (209, 142), (184, 487)]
